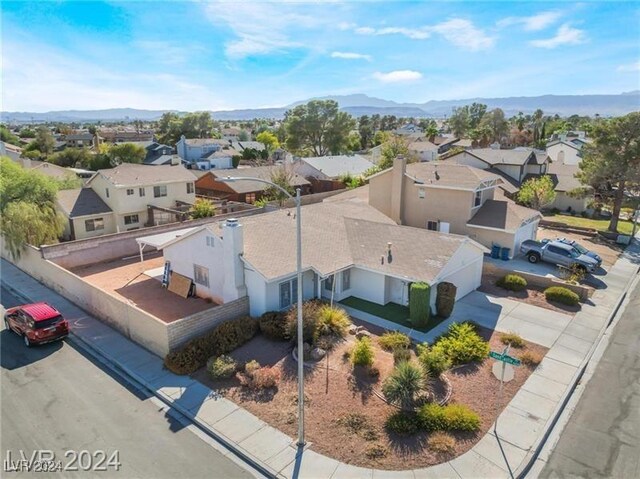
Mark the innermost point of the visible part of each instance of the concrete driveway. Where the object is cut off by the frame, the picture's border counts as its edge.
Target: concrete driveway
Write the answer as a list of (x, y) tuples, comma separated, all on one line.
[(539, 325)]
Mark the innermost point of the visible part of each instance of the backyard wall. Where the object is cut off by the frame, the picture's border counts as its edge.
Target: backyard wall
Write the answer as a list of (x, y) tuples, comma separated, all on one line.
[(119, 245), (536, 280)]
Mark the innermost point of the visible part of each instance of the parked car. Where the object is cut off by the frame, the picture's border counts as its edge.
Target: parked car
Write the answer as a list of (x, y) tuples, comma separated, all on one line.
[(558, 253), (579, 248), (37, 323)]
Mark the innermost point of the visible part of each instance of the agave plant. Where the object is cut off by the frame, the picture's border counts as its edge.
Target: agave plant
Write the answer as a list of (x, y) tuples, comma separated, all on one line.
[(405, 385)]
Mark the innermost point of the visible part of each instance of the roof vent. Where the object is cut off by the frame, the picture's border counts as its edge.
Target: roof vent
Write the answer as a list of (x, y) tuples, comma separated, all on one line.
[(232, 222)]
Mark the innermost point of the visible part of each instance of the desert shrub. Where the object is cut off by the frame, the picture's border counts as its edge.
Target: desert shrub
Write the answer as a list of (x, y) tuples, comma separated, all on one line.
[(362, 352), (419, 301), (512, 282), (452, 417), (462, 344), (222, 339), (404, 385), (222, 366), (273, 324), (561, 295), (442, 443), (310, 311), (392, 340), (530, 359), (445, 299), (251, 366), (332, 321), (258, 377), (376, 451), (403, 423), (434, 361), (401, 356), (354, 422), (512, 339)]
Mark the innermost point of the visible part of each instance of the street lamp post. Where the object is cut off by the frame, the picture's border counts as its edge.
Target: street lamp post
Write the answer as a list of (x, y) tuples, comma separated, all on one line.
[(230, 179)]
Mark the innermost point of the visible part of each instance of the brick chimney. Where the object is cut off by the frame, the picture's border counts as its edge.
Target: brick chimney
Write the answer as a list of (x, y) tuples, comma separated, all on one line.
[(233, 244), (397, 188)]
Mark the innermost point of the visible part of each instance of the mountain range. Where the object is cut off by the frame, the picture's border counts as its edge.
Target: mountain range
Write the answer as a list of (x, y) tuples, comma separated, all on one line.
[(360, 104)]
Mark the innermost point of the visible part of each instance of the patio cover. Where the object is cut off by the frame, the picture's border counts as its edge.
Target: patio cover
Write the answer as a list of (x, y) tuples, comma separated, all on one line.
[(159, 240)]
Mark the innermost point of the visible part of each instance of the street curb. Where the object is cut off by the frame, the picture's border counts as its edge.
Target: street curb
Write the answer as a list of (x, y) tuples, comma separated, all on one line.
[(142, 385), (532, 457)]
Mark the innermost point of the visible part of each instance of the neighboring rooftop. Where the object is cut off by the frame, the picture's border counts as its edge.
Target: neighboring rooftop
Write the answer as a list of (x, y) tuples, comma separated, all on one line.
[(517, 156), (449, 175), (502, 214), (263, 172), (81, 202), (129, 174), (336, 166)]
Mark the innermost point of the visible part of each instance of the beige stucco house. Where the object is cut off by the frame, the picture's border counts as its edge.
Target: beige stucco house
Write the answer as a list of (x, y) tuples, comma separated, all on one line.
[(452, 198)]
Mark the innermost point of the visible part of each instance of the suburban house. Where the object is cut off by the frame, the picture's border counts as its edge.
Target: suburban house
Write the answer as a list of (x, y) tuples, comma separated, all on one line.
[(139, 195), (86, 214), (82, 140), (206, 153), (12, 151), (332, 167), (515, 164), (158, 154), (452, 198), (565, 152), (126, 136), (565, 181), (244, 191), (408, 129), (348, 249), (423, 150)]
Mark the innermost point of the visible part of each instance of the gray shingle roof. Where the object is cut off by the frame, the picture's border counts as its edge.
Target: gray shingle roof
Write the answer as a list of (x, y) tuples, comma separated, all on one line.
[(129, 174), (263, 172), (435, 173), (336, 166), (502, 157), (81, 202), (502, 214)]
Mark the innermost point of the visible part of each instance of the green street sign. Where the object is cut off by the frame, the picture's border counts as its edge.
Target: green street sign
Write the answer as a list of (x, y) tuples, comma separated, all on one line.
[(504, 358)]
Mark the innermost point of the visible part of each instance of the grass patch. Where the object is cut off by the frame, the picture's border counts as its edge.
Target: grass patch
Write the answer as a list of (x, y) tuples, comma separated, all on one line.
[(393, 312), (624, 227)]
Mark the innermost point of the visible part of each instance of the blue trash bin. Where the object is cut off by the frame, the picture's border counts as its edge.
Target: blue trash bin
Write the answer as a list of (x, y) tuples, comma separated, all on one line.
[(495, 251), (505, 254)]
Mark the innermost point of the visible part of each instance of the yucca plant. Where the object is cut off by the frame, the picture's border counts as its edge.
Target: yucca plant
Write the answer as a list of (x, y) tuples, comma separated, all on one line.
[(405, 385), (332, 321)]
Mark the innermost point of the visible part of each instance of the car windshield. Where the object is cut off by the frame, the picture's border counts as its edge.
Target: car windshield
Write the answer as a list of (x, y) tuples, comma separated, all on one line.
[(581, 249), (574, 253), (46, 323)]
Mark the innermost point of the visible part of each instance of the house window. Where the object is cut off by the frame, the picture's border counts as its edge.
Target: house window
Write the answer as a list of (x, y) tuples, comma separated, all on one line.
[(477, 200), (250, 198), (94, 224), (346, 279), (141, 191), (159, 191), (190, 188), (328, 283), (201, 275), (107, 191), (420, 192), (211, 241), (131, 219), (129, 191), (432, 225), (288, 293)]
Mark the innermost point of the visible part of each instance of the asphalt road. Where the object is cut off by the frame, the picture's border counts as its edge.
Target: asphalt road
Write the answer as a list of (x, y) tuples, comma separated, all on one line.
[(602, 438), (53, 397)]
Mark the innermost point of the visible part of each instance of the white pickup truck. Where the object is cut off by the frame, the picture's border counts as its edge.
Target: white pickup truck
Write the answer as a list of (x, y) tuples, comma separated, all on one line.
[(560, 253)]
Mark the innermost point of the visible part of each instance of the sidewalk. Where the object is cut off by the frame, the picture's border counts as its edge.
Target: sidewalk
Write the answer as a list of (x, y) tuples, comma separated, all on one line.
[(521, 426)]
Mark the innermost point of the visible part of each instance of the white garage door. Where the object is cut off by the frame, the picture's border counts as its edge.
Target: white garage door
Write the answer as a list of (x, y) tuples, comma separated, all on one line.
[(527, 232), (467, 279)]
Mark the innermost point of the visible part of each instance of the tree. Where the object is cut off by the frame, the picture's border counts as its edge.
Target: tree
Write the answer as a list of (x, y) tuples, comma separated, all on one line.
[(72, 157), (365, 129), (476, 114), (459, 121), (380, 137), (283, 177), (243, 136), (44, 142), (537, 193), (496, 124), (27, 133), (7, 136), (126, 153), (269, 140), (172, 126), (611, 164), (202, 208), (27, 207), (396, 146), (318, 128)]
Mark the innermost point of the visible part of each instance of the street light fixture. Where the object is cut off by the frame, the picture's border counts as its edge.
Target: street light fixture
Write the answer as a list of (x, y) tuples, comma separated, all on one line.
[(231, 179)]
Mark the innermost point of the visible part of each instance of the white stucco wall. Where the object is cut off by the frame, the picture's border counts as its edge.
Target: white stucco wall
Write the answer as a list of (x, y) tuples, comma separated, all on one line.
[(368, 285), (563, 201), (512, 170), (569, 154)]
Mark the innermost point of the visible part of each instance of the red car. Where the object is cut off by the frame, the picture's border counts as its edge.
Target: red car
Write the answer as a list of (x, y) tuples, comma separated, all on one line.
[(37, 323)]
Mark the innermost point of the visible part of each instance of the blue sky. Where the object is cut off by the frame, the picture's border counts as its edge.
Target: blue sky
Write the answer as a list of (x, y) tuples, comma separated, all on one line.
[(223, 55)]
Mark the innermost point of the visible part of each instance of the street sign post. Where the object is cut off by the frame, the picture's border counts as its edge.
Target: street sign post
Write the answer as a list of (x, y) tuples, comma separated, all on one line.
[(505, 359)]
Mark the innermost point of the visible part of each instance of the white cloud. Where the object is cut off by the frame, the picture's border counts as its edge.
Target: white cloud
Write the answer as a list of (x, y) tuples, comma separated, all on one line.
[(398, 76), (460, 32), (533, 23), (566, 35), (631, 67), (351, 56)]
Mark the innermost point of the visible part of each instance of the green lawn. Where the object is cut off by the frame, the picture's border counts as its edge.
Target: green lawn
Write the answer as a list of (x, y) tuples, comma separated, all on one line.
[(393, 312), (624, 227)]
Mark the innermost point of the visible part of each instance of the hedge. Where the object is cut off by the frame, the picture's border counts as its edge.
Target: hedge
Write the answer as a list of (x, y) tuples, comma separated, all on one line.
[(561, 295), (512, 282), (273, 324), (445, 299), (222, 339), (452, 417), (419, 304)]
